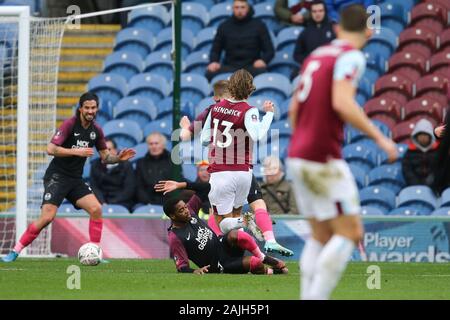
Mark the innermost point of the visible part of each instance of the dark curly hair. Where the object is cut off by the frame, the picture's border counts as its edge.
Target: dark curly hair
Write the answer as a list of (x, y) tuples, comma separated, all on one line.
[(241, 85)]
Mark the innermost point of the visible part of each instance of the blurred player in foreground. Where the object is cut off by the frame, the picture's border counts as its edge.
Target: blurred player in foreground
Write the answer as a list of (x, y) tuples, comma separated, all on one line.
[(72, 144), (325, 189)]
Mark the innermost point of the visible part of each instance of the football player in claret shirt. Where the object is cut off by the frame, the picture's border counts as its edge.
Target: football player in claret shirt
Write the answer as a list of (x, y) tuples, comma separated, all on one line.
[(326, 191), (71, 145)]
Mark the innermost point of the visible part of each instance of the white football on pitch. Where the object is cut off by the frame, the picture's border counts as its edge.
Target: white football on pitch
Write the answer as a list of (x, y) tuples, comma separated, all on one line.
[(90, 254)]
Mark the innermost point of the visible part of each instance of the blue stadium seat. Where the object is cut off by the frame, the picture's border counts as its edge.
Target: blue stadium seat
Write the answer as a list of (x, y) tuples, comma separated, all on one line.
[(163, 41), (420, 197), (393, 16), (384, 41), (404, 211), (197, 62), (86, 176), (204, 39), (141, 150), (221, 76), (191, 152), (112, 209), (361, 154), (125, 64), (153, 18), (378, 197), (258, 102), (375, 63), (126, 133), (151, 209), (195, 16), (444, 211), (109, 87), (284, 108), (274, 85), (265, 12), (359, 174), (207, 3), (202, 105), (361, 99), (406, 4), (163, 125), (165, 107), (401, 148), (283, 63), (160, 63), (194, 88), (68, 208), (219, 13), (104, 114), (189, 171), (287, 38), (371, 211), (135, 40), (365, 88), (149, 85), (283, 127), (353, 135), (389, 176), (139, 109), (445, 198)]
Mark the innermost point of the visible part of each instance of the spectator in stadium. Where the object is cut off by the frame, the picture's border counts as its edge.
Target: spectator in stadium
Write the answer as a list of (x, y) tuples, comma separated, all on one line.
[(215, 254), (442, 168), (277, 191), (113, 183), (319, 31), (420, 160), (155, 166), (292, 12), (245, 41)]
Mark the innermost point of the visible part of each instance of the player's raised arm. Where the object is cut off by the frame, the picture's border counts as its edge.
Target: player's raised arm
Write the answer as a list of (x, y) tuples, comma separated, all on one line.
[(256, 129)]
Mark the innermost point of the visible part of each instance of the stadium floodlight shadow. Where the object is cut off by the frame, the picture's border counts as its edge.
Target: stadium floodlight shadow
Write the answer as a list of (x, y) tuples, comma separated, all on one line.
[(135, 40)]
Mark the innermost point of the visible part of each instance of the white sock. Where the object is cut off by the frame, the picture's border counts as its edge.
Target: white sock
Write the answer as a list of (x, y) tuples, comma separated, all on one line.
[(308, 260), (228, 224), (330, 264)]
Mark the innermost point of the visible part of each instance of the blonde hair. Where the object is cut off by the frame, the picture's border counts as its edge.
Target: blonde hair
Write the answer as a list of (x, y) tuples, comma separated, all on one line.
[(241, 84), (221, 89)]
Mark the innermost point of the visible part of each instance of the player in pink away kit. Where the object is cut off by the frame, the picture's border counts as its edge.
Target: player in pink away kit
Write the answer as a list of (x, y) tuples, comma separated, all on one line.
[(71, 145), (325, 189), (230, 129)]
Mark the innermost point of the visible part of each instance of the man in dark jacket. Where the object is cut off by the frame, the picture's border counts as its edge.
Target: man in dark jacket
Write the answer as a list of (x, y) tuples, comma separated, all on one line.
[(154, 167), (245, 40), (419, 161), (318, 32), (113, 183)]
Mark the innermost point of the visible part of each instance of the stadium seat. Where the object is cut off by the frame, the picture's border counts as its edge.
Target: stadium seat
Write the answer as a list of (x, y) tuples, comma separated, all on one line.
[(196, 62), (418, 35), (444, 39), (283, 63), (163, 125), (444, 211), (409, 59), (359, 174), (221, 76), (258, 102), (443, 72), (109, 87), (135, 40), (204, 39), (401, 149), (383, 41), (165, 107), (163, 41), (68, 208), (435, 25), (431, 83), (393, 16), (406, 4), (219, 13), (389, 176), (141, 150), (395, 82), (445, 198), (283, 127), (126, 133), (191, 152), (206, 3), (381, 105), (419, 48), (160, 63), (274, 85), (441, 59), (361, 154), (371, 211), (429, 10), (139, 109), (86, 176), (265, 12), (352, 135), (375, 61), (149, 85), (202, 105), (287, 38), (284, 108), (426, 107), (365, 88), (404, 211), (420, 197), (402, 131), (194, 88), (112, 209), (443, 3), (151, 209), (378, 197), (125, 64), (152, 18), (195, 16), (189, 171)]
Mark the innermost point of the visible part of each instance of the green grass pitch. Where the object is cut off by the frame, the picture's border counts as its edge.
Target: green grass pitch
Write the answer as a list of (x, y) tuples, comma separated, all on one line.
[(157, 279)]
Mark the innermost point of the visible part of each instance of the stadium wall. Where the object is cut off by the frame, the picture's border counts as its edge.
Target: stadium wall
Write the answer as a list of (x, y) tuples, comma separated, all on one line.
[(411, 239)]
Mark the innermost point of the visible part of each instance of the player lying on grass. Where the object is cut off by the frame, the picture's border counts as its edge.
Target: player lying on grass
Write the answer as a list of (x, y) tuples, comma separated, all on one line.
[(190, 238), (254, 198)]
